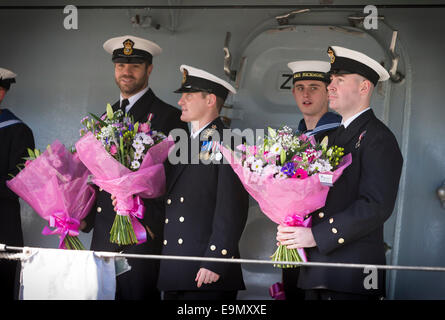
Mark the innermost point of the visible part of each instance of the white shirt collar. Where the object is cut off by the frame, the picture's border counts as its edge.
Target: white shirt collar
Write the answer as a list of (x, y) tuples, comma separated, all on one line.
[(195, 134), (132, 100), (347, 122)]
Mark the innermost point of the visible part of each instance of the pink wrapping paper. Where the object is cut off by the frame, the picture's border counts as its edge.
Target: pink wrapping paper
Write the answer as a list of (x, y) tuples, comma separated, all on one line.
[(279, 198), (55, 185), (147, 182)]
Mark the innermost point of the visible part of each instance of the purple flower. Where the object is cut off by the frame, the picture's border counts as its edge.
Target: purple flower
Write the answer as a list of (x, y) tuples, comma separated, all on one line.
[(288, 169)]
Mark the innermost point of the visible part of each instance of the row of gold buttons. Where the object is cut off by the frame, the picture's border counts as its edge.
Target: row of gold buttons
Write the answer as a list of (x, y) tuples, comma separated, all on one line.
[(181, 219), (169, 201), (223, 251), (180, 241), (334, 230)]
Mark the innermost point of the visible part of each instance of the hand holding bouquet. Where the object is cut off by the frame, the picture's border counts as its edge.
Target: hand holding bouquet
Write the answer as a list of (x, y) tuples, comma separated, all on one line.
[(289, 175), (126, 159)]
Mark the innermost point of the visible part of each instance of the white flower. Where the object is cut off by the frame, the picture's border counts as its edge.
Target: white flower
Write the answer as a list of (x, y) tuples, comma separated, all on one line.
[(135, 164), (106, 131), (281, 175), (147, 140), (139, 136), (320, 166), (276, 149), (257, 166), (270, 169), (140, 149), (137, 144), (137, 155), (250, 160)]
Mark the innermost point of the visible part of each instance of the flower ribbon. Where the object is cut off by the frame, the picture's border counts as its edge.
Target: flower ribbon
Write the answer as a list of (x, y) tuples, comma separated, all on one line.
[(276, 291), (64, 226), (137, 213), (296, 220)]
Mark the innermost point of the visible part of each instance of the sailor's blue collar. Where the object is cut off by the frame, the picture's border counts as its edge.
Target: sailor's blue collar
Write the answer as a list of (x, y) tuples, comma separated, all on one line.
[(6, 115), (329, 119)]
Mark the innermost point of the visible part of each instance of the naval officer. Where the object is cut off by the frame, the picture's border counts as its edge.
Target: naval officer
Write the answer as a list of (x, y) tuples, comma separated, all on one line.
[(206, 204), (310, 79), (15, 138), (349, 229), (133, 63)]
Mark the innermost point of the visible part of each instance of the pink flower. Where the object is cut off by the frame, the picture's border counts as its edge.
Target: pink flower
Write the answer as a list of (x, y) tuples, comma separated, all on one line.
[(252, 150), (297, 158), (27, 162), (300, 174), (303, 137), (113, 150), (241, 147), (144, 127)]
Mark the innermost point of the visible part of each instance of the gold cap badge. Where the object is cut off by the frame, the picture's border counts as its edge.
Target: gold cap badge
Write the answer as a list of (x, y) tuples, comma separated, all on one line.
[(128, 47), (184, 76), (331, 54)]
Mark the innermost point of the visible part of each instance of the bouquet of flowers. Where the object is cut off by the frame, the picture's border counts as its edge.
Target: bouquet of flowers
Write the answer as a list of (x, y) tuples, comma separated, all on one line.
[(126, 159), (289, 175), (54, 184)]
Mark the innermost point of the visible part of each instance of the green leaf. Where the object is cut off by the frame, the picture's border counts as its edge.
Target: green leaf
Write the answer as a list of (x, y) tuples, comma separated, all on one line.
[(121, 147), (271, 132), (283, 156), (136, 127), (31, 153), (103, 123), (110, 113), (324, 143)]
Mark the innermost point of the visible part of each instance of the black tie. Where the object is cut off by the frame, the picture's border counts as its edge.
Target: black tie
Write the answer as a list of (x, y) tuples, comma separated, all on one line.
[(339, 135), (124, 103)]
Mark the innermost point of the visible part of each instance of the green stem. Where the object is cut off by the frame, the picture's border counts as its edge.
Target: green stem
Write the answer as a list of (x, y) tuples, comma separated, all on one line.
[(284, 254), (122, 231), (73, 243)]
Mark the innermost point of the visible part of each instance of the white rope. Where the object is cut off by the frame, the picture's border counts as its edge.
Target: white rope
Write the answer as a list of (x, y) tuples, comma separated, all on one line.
[(11, 256), (104, 254)]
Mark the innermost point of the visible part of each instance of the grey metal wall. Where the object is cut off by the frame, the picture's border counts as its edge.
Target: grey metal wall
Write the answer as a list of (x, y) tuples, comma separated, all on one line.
[(63, 74)]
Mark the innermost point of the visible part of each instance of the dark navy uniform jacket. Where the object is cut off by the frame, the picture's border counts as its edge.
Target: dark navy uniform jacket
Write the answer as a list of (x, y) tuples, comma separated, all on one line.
[(15, 138), (206, 212), (140, 282), (349, 228)]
